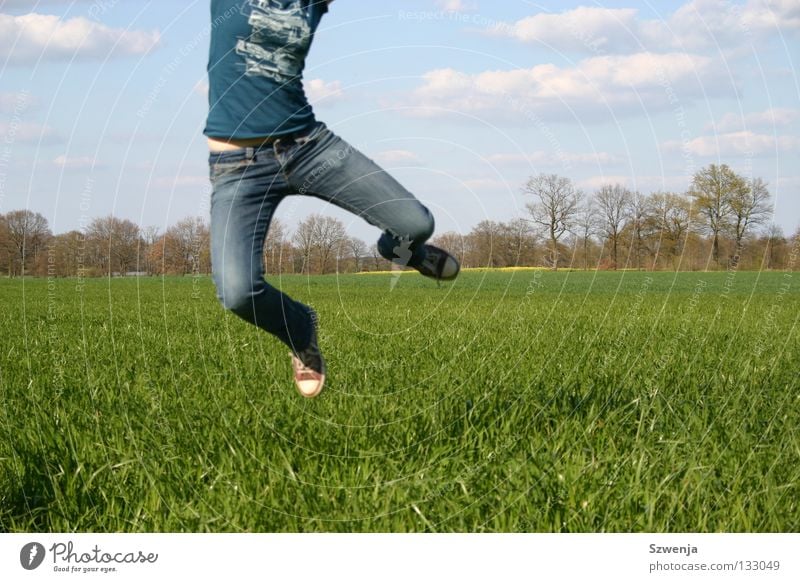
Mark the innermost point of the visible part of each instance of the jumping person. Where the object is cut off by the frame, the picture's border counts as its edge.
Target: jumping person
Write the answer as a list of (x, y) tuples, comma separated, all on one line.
[(265, 144)]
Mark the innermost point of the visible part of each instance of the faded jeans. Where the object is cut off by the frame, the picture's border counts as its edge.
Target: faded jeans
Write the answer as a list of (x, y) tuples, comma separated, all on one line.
[(249, 183)]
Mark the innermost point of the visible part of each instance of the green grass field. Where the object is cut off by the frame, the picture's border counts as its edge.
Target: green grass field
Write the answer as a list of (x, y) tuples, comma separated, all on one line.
[(528, 401)]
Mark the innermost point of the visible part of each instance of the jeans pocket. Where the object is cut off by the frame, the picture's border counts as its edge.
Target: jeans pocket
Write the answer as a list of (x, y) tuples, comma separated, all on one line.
[(219, 170)]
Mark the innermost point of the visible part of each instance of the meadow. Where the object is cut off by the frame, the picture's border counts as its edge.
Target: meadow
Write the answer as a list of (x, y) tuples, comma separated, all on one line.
[(504, 402)]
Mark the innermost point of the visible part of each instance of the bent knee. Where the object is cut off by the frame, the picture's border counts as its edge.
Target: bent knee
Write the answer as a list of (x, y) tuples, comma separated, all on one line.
[(236, 293), (422, 226), (237, 299)]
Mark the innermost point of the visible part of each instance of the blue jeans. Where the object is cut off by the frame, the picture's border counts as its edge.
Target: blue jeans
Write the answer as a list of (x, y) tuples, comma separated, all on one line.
[(249, 183)]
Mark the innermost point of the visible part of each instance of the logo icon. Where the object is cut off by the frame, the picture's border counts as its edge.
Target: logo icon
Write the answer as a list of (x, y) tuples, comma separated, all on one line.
[(32, 555), (403, 252)]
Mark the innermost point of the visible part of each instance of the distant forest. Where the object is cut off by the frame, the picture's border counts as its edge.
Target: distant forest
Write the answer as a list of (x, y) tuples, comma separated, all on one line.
[(723, 221)]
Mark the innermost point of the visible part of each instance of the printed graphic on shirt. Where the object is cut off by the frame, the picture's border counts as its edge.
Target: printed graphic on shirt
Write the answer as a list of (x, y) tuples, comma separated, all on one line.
[(279, 40)]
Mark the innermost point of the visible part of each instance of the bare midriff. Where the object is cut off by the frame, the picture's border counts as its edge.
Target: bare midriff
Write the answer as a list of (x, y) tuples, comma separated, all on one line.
[(223, 145)]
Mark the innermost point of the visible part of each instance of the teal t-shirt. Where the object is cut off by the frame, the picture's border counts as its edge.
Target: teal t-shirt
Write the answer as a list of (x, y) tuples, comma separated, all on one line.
[(255, 66)]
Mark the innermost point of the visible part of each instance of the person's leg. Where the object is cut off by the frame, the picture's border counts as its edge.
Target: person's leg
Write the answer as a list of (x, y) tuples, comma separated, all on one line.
[(247, 187), (325, 166)]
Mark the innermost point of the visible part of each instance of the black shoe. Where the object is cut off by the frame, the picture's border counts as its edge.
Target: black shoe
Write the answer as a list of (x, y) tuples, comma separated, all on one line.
[(438, 264)]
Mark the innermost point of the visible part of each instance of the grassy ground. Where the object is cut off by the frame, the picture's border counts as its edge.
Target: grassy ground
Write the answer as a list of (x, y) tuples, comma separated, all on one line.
[(525, 401)]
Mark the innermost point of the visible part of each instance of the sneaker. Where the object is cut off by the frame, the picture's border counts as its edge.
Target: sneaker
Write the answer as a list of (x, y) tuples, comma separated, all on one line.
[(309, 366), (438, 264)]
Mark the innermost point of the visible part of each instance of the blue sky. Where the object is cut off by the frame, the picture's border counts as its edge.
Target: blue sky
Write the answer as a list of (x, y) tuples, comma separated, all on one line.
[(103, 102)]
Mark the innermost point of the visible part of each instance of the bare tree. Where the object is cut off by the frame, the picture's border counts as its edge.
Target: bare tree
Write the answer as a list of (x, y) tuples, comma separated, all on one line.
[(776, 241), (480, 243), (115, 244), (555, 209), (193, 242), (183, 249), (7, 251), (671, 215), (330, 233), (27, 232), (67, 254), (750, 206), (320, 235), (587, 225), (305, 240), (713, 188), (639, 215), (516, 242), (357, 248), (379, 262), (613, 204), (149, 236), (453, 242), (274, 246)]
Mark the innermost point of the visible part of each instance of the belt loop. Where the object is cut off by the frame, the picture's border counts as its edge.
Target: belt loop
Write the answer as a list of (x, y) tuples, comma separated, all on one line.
[(250, 153)]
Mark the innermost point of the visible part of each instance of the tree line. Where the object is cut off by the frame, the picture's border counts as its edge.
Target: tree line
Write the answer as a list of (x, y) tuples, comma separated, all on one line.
[(721, 222)]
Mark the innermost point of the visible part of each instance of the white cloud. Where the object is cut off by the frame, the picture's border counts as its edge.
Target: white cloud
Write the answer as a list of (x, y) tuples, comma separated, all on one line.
[(201, 88), (767, 119), (737, 143), (30, 37), (14, 103), (698, 24), (543, 158), (76, 163), (584, 28), (397, 157), (770, 15), (319, 91), (597, 86), (28, 133), (457, 5)]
